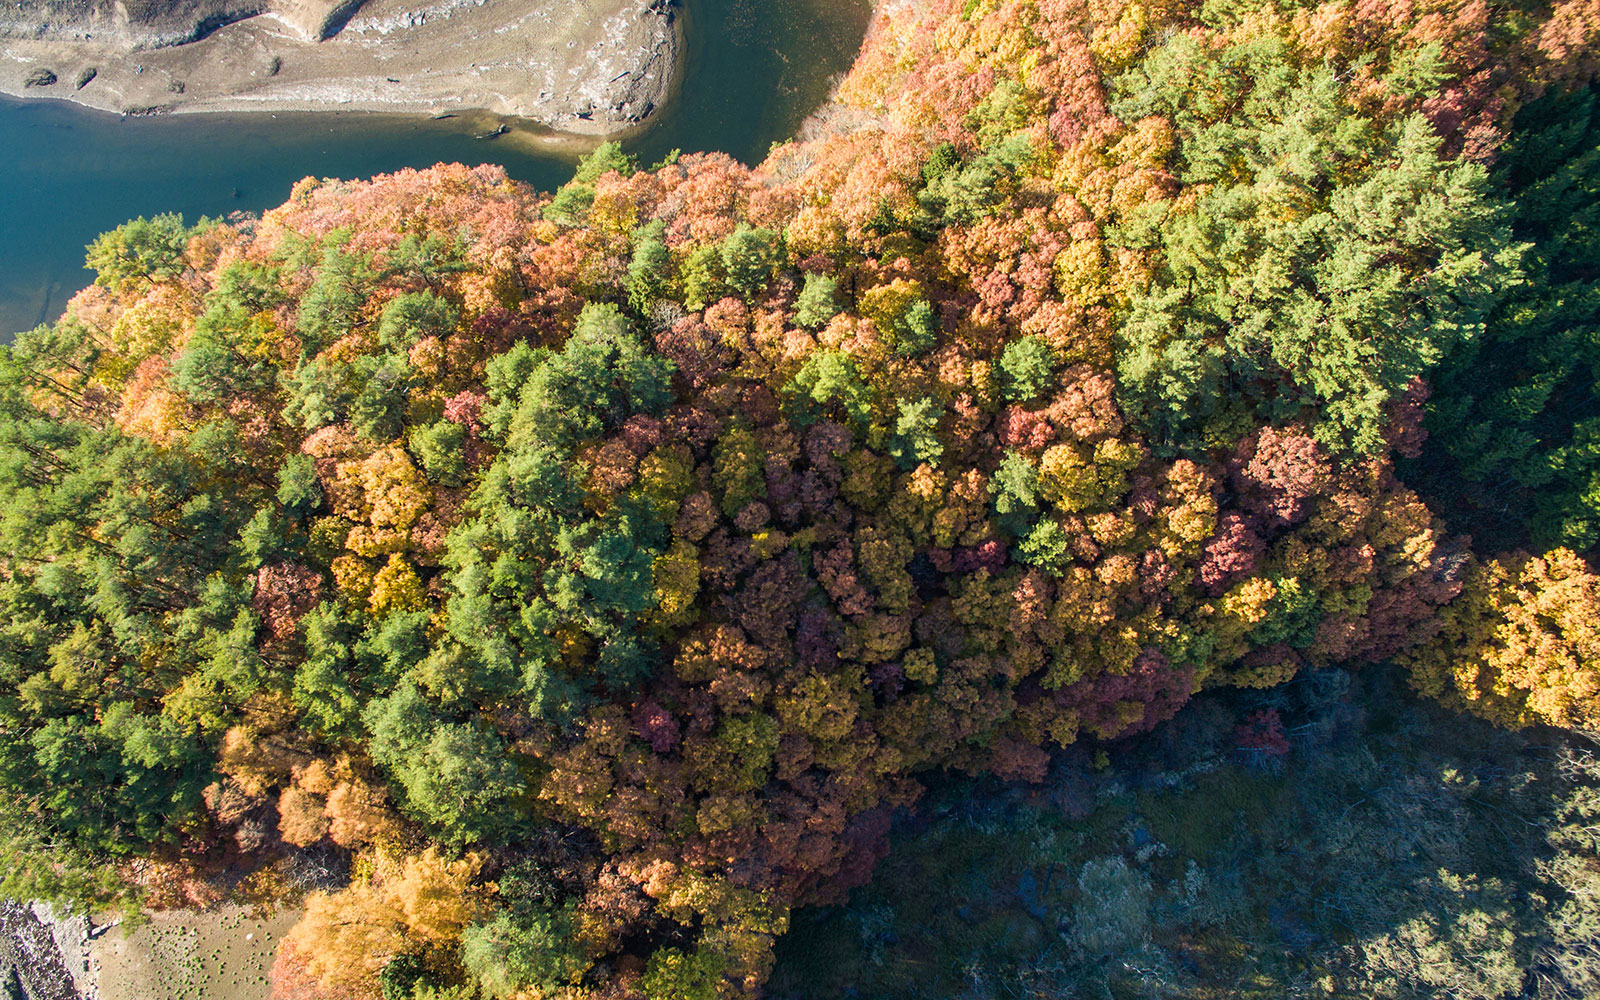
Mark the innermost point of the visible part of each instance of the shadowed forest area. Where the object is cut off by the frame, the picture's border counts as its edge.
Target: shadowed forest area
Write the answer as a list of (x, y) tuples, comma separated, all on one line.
[(1334, 837)]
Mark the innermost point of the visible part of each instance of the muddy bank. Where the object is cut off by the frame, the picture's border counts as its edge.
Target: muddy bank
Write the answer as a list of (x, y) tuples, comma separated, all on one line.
[(218, 954), (591, 67)]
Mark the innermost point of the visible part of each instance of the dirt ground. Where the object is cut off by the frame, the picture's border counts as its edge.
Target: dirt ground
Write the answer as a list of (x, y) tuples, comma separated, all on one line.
[(583, 66), (221, 954)]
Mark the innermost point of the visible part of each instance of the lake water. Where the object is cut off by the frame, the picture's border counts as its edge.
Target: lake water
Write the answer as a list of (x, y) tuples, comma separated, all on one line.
[(754, 70)]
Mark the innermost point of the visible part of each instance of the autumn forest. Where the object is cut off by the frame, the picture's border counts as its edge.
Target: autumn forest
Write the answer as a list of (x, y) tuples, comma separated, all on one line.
[(554, 593)]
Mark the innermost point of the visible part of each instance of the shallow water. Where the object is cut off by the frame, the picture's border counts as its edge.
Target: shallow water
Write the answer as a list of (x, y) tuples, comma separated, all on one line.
[(754, 70)]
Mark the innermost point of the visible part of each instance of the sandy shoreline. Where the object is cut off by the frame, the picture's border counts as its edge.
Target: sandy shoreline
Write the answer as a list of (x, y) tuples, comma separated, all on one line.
[(586, 67)]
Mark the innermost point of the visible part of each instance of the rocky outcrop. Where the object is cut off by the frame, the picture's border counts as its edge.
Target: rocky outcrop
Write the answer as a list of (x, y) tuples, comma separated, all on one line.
[(31, 962), (585, 66), (627, 73), (135, 25), (315, 19)]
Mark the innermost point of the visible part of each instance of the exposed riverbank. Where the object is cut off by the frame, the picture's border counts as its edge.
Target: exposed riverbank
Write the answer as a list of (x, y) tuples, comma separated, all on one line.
[(591, 67)]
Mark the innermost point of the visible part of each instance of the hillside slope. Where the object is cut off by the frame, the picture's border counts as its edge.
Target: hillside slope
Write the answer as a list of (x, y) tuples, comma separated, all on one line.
[(597, 572)]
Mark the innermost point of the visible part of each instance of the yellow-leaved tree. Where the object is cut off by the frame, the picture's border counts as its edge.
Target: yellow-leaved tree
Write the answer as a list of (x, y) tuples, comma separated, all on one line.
[(412, 905), (1521, 645)]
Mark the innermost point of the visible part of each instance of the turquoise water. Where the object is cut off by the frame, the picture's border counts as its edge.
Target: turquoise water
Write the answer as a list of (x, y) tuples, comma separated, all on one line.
[(754, 70)]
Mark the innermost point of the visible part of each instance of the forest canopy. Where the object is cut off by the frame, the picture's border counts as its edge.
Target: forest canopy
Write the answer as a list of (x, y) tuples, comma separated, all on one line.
[(564, 588)]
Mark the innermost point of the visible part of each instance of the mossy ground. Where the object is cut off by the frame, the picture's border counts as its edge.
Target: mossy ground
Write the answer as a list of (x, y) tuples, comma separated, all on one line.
[(221, 954)]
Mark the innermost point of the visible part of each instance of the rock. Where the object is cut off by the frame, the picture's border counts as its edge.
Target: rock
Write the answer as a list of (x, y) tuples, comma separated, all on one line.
[(40, 77), (28, 945), (162, 23), (628, 75), (315, 20)]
